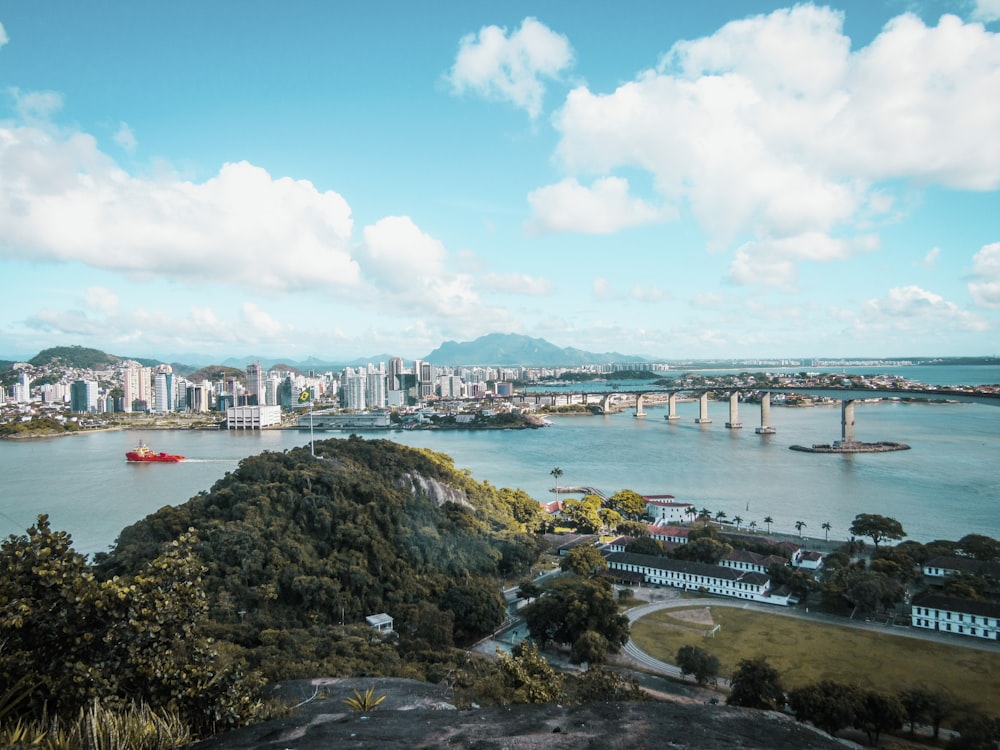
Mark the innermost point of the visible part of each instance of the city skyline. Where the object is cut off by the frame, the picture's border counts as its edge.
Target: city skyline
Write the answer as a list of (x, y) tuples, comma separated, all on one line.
[(748, 179)]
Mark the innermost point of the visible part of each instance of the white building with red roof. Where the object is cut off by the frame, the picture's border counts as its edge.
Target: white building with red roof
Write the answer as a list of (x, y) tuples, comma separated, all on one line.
[(665, 509)]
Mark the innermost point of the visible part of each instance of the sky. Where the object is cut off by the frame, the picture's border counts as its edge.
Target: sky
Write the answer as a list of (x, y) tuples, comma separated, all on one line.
[(734, 179)]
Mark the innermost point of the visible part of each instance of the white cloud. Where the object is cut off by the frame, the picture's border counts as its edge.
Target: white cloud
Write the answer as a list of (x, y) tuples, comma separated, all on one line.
[(408, 267), (63, 200), (773, 127), (101, 300), (987, 10), (511, 68), (985, 284), (910, 308), (516, 283), (201, 328), (642, 293), (125, 138), (3, 36), (603, 208), (772, 262), (602, 289), (930, 258), (261, 323), (37, 106)]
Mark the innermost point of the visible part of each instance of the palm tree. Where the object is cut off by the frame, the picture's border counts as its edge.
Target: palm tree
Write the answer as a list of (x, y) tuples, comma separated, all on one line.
[(704, 513), (768, 520), (692, 511), (752, 526), (720, 515), (799, 525), (826, 528), (737, 520), (557, 472)]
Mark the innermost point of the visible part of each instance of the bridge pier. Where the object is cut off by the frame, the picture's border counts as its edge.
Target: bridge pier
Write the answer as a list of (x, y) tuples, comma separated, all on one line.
[(846, 423), (765, 416), (672, 407), (734, 411), (703, 410), (639, 413)]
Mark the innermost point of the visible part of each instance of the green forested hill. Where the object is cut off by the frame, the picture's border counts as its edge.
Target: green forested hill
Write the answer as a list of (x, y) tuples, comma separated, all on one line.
[(293, 544), (74, 356)]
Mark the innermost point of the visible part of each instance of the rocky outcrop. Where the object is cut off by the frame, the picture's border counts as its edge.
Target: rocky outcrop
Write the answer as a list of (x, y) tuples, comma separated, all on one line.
[(439, 492), (404, 721)]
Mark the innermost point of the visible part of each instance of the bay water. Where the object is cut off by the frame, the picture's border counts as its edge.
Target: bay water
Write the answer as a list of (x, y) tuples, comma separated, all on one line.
[(946, 486)]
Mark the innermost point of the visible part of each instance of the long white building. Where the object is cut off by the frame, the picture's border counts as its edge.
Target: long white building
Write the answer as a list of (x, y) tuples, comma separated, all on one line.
[(701, 577)]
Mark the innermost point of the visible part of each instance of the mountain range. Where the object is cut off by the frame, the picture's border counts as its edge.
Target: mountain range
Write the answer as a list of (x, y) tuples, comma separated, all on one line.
[(496, 349)]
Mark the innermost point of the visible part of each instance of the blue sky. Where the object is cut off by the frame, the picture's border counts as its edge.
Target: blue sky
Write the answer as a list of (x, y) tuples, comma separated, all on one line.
[(341, 180)]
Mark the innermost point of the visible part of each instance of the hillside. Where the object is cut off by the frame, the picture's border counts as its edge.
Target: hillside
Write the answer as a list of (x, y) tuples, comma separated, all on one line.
[(74, 356), (515, 350), (298, 544)]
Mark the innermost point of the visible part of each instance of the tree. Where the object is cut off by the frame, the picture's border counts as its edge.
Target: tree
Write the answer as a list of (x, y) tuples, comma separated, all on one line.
[(523, 676), (829, 705), (478, 608), (979, 546), (611, 519), (692, 511), (737, 521), (826, 526), (752, 526), (645, 546), (130, 639), (528, 589), (556, 473), (720, 515), (697, 662), (756, 684), (878, 528), (582, 514), (590, 648), (768, 520), (871, 591), (879, 712), (704, 549), (634, 529), (630, 504), (584, 560), (570, 606), (799, 525)]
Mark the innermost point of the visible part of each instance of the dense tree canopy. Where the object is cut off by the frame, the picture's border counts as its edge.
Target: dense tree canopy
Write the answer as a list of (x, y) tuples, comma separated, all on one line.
[(756, 684), (572, 605), (298, 544), (72, 639)]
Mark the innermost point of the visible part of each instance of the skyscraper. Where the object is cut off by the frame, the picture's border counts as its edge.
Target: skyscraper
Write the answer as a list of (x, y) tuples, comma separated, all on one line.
[(255, 385)]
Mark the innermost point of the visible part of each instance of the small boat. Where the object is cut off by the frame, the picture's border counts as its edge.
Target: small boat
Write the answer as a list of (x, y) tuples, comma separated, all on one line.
[(144, 454)]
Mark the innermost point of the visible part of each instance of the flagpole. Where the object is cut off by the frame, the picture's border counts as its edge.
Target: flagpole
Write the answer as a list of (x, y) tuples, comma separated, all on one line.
[(312, 448)]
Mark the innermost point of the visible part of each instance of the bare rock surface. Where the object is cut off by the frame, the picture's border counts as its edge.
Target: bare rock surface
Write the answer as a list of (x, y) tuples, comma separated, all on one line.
[(417, 715)]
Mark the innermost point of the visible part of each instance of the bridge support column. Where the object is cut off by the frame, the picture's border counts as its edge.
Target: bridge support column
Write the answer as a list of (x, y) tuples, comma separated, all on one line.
[(846, 422), (703, 410), (639, 413), (734, 411), (672, 407), (765, 416)]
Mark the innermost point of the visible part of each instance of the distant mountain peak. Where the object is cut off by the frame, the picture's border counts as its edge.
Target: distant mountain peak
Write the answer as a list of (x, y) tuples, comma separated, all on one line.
[(515, 350)]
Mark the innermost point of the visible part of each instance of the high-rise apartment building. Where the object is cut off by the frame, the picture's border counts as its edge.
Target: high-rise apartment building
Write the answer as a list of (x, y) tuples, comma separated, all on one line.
[(137, 385), (395, 370), (255, 385), (163, 392), (83, 397)]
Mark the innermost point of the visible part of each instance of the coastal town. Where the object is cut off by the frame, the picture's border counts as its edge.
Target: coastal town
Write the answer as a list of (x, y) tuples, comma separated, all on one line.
[(59, 391)]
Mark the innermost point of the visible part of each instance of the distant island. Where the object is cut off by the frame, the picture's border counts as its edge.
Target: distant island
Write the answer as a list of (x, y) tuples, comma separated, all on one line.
[(883, 446)]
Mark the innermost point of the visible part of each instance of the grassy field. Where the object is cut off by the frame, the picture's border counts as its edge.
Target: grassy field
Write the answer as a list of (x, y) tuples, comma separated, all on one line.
[(805, 652)]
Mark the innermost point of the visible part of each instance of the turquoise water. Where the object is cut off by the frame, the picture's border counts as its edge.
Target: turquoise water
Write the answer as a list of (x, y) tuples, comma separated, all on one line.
[(946, 486)]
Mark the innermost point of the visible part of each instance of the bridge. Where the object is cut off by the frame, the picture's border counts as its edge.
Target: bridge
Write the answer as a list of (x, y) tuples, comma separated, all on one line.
[(606, 402)]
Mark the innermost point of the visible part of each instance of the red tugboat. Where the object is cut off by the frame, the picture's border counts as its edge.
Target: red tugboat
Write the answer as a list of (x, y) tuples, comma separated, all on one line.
[(143, 454)]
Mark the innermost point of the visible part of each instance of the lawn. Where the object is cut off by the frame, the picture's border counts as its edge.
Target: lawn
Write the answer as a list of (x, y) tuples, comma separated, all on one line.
[(805, 652)]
